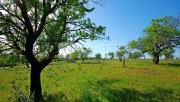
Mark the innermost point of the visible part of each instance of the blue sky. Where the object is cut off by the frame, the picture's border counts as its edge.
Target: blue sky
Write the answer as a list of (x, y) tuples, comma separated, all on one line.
[(126, 19)]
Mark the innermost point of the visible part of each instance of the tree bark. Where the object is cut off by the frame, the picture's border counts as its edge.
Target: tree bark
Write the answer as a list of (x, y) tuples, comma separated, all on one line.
[(82, 60), (27, 64), (120, 59), (35, 83), (156, 58), (124, 65)]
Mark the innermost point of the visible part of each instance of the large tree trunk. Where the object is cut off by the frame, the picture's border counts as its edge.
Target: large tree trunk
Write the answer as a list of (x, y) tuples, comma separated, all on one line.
[(35, 83), (156, 58)]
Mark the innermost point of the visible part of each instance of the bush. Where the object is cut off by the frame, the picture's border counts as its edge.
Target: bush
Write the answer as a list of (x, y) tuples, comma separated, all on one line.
[(9, 60)]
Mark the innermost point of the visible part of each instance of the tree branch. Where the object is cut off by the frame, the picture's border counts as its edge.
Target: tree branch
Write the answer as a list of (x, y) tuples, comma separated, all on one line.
[(43, 20), (23, 9), (6, 49)]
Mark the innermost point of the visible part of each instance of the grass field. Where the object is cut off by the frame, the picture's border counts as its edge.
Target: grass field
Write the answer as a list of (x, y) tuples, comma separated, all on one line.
[(105, 81)]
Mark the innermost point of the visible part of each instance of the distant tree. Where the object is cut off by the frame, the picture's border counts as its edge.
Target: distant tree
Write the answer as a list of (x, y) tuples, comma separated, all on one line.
[(75, 55), (98, 56), (119, 55), (106, 56), (168, 53), (10, 59), (111, 55), (162, 34), (135, 55), (84, 53), (138, 45), (123, 53)]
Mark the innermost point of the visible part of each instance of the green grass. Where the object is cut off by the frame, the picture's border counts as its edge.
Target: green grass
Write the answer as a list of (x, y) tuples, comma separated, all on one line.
[(107, 81)]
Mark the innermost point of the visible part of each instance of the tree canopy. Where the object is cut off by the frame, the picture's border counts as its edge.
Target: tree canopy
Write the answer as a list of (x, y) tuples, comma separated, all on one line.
[(98, 55), (40, 27), (84, 53), (111, 55), (122, 53)]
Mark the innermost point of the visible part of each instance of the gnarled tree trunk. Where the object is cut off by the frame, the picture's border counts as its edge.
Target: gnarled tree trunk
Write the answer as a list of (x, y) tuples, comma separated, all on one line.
[(156, 58), (35, 83), (36, 69)]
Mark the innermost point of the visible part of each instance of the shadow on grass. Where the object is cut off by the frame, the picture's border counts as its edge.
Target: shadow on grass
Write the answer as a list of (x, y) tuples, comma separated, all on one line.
[(171, 64), (132, 95), (57, 97), (127, 94), (92, 62), (99, 91)]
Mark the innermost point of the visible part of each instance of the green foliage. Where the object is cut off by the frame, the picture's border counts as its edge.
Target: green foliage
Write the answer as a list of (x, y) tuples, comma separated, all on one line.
[(168, 53), (163, 33), (75, 55), (111, 55), (98, 56), (84, 53), (122, 53), (23, 59), (138, 45), (135, 55), (9, 60), (40, 28)]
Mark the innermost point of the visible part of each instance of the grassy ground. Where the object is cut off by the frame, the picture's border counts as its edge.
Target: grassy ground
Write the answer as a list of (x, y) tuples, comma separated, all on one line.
[(106, 81)]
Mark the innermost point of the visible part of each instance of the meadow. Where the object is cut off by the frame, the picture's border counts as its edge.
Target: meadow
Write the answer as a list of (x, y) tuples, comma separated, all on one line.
[(97, 81)]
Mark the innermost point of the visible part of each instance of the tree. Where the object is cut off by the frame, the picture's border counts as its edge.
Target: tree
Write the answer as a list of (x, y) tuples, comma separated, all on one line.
[(122, 52), (84, 53), (119, 55), (42, 27), (138, 45), (168, 53), (163, 33), (111, 55), (98, 56), (135, 55), (106, 56), (75, 55)]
